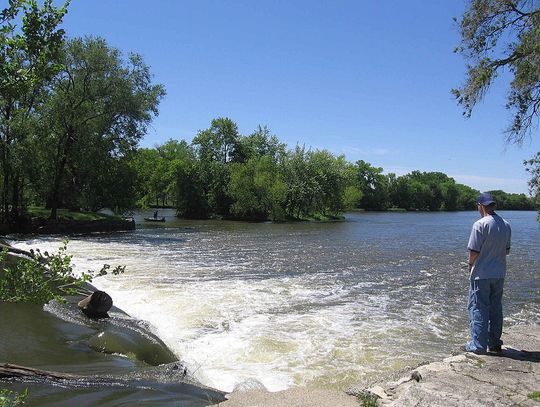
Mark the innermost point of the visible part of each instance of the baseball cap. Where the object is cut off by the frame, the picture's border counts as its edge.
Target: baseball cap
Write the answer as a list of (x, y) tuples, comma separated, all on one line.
[(485, 198)]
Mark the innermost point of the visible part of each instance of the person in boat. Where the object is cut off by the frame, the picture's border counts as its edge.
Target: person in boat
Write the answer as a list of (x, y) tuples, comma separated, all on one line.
[(489, 244), (155, 214)]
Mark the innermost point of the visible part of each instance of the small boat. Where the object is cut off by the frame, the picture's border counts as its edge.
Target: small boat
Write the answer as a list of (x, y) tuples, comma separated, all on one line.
[(161, 219)]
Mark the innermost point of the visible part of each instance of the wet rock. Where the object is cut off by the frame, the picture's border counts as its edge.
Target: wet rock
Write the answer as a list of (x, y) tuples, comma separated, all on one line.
[(132, 344), (117, 335), (249, 384)]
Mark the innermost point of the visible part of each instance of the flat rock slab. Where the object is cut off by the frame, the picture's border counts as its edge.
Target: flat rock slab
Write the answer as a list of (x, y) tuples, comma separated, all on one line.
[(467, 379), (296, 397)]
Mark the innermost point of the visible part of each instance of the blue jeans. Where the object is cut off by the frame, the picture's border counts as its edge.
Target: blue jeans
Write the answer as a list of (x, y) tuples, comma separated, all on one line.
[(485, 314)]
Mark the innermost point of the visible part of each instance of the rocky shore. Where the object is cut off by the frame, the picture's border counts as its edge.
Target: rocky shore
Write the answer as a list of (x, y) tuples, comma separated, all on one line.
[(511, 378)]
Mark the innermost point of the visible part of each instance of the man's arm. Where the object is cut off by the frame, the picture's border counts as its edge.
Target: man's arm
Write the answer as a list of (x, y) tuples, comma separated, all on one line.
[(473, 255)]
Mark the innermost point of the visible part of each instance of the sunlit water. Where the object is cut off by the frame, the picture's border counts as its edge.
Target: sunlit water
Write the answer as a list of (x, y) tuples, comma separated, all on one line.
[(317, 304)]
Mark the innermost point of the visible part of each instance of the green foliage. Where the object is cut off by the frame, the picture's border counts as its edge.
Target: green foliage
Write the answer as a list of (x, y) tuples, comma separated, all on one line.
[(157, 171), (334, 176), (228, 175), (220, 143), (261, 143), (45, 277), (99, 108), (535, 395), (10, 398), (533, 167), (504, 36), (191, 196), (373, 185), (30, 44), (255, 189), (368, 399), (501, 36), (512, 201)]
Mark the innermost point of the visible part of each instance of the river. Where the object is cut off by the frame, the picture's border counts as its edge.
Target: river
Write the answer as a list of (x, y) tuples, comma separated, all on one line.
[(306, 304)]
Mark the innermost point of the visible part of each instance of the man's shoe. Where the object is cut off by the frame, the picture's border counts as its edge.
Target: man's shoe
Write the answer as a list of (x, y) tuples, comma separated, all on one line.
[(463, 348), (495, 349)]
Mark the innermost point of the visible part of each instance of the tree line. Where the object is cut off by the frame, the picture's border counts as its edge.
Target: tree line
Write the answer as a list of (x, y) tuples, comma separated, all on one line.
[(222, 173), (72, 114)]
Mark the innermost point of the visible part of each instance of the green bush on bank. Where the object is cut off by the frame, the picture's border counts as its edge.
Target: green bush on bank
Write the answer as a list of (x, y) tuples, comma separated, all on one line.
[(45, 277), (9, 398)]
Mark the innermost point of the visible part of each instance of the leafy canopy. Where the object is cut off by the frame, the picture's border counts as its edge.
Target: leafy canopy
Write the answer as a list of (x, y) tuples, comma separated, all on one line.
[(499, 35)]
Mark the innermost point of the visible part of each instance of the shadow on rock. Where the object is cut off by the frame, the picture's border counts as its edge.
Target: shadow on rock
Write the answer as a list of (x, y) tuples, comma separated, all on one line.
[(523, 355)]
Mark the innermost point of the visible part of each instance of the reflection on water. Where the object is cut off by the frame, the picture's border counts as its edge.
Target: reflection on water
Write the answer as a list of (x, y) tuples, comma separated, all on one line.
[(317, 304)]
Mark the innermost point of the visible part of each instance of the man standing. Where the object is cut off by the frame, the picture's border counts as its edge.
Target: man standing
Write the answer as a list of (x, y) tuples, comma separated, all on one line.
[(489, 244)]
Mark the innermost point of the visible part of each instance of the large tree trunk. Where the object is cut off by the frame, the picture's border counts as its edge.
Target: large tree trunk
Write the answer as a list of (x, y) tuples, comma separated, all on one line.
[(63, 152)]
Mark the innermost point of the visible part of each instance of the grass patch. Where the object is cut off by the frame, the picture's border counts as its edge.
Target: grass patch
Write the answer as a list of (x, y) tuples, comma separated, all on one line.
[(368, 399), (64, 214), (480, 362), (535, 395)]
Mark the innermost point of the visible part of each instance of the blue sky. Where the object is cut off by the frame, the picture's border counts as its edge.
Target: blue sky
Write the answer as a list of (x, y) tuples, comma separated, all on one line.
[(368, 79)]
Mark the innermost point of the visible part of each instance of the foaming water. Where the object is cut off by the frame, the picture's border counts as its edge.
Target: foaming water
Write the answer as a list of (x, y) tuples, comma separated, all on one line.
[(316, 304)]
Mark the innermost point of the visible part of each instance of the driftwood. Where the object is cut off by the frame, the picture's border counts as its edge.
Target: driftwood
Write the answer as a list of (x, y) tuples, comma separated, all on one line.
[(11, 249), (7, 370)]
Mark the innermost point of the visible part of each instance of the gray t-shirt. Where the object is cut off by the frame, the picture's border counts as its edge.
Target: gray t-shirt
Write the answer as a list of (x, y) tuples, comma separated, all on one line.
[(490, 236)]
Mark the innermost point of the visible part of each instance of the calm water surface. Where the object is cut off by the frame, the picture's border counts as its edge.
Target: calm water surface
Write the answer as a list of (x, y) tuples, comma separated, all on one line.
[(317, 304)]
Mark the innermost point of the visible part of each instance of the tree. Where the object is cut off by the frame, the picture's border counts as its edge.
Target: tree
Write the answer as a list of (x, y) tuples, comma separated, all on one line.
[(504, 35), (257, 188), (300, 182), (533, 167), (191, 193), (498, 35), (219, 143), (373, 185), (332, 176), (261, 143), (157, 171), (451, 197), (29, 58), (99, 108), (216, 148)]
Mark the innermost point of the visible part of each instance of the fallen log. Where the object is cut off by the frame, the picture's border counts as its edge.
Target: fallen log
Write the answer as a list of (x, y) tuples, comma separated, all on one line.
[(8, 370), (11, 249)]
